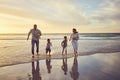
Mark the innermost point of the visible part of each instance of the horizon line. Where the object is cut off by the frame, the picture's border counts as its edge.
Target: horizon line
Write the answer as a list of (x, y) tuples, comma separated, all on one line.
[(59, 33)]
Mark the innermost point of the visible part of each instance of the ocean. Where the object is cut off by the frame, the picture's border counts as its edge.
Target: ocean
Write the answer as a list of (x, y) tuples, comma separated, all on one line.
[(15, 49)]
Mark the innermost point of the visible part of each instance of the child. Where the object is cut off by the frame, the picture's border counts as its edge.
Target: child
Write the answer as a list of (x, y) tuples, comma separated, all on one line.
[(48, 47), (64, 45)]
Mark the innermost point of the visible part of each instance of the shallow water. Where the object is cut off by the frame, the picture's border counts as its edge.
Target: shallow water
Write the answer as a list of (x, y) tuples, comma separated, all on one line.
[(15, 49), (92, 67)]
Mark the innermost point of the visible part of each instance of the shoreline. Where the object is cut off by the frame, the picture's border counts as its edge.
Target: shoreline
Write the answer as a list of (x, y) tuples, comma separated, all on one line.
[(59, 57)]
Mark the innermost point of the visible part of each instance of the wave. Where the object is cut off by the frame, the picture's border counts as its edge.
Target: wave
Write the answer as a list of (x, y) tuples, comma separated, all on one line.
[(20, 59), (19, 54), (81, 38)]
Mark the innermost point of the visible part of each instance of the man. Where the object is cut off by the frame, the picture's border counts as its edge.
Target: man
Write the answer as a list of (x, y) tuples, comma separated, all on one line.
[(36, 33)]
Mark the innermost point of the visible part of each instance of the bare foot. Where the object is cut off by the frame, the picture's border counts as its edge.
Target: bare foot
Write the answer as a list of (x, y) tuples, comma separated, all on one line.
[(32, 56), (49, 54), (38, 54), (63, 54)]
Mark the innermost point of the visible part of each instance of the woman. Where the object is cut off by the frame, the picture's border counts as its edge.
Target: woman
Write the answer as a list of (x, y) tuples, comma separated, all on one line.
[(75, 37)]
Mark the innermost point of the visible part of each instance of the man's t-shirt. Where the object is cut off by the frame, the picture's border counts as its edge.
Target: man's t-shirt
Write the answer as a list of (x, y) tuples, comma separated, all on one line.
[(35, 34)]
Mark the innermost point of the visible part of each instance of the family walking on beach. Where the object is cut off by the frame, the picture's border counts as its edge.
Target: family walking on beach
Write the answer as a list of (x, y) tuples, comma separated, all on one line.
[(36, 34)]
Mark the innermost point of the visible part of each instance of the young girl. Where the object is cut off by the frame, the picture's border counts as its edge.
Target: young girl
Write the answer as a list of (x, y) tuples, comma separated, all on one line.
[(75, 37), (64, 45), (48, 47)]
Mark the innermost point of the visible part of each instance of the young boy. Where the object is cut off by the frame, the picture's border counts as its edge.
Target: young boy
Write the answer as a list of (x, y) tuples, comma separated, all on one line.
[(48, 47), (64, 45)]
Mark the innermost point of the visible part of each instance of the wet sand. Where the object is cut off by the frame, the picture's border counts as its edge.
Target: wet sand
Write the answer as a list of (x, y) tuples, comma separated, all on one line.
[(88, 67)]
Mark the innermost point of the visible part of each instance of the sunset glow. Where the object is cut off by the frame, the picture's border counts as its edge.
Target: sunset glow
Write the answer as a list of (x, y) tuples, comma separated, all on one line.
[(60, 16)]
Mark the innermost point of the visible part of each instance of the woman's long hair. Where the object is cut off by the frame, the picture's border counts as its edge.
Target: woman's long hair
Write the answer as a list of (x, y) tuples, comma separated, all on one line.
[(75, 31)]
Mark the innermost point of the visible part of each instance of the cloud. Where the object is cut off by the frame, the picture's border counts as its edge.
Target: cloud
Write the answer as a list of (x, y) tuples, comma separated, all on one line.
[(58, 11), (62, 14), (108, 12)]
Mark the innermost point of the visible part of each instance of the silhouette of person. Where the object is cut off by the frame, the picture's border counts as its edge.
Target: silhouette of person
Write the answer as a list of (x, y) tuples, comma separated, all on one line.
[(64, 66), (48, 64), (35, 71), (74, 71)]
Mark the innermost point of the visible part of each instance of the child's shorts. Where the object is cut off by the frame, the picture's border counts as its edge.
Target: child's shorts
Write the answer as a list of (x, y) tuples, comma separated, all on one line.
[(48, 50)]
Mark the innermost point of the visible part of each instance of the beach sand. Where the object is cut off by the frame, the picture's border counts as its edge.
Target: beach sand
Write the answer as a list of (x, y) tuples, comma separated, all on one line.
[(101, 66)]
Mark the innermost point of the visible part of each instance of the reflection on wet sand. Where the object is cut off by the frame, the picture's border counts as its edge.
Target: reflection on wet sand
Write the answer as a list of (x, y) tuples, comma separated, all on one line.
[(36, 71), (48, 64), (92, 67), (64, 65), (74, 70)]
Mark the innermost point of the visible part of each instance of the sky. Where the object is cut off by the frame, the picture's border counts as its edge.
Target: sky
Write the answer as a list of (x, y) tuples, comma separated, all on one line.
[(60, 16)]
